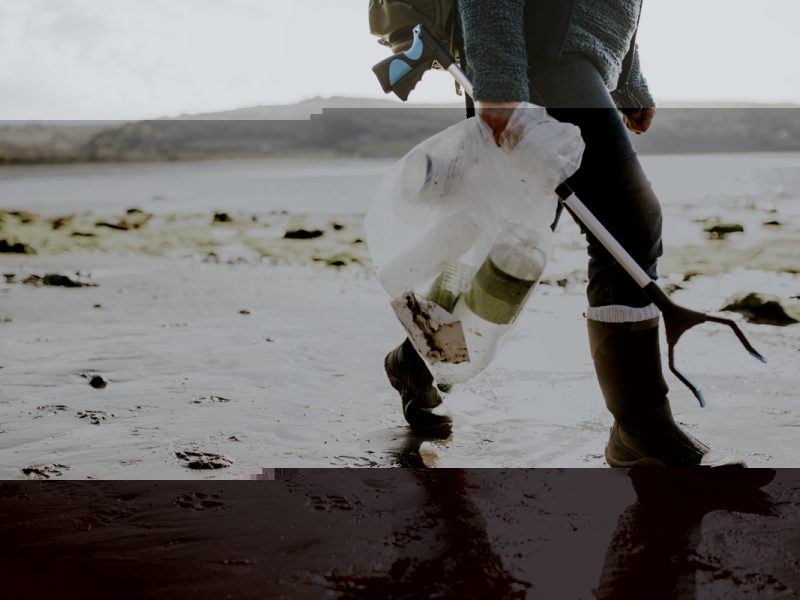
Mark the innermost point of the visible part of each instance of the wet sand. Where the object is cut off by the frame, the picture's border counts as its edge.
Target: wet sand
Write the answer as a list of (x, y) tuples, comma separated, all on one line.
[(234, 340), (280, 365), (396, 533), (167, 349)]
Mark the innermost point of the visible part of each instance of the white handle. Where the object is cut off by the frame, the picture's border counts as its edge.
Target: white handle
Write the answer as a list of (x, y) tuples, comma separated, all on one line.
[(462, 80), (604, 236)]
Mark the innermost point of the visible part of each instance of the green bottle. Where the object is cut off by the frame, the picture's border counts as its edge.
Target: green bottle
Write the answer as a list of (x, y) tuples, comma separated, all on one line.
[(508, 275)]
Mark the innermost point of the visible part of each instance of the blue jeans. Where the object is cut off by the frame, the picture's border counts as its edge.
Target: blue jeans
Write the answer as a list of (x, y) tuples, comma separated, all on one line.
[(610, 181)]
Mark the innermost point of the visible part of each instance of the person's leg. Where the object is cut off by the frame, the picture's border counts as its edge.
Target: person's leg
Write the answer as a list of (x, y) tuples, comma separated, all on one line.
[(610, 182), (622, 323)]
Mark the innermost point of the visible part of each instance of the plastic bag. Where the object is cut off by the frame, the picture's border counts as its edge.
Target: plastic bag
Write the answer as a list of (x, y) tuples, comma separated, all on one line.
[(449, 200)]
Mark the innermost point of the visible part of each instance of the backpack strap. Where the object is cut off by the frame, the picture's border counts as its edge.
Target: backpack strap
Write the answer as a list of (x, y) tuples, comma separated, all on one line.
[(462, 59)]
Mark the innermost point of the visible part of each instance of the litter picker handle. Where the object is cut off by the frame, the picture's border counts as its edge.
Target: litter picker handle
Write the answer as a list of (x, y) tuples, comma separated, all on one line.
[(401, 72), (614, 248)]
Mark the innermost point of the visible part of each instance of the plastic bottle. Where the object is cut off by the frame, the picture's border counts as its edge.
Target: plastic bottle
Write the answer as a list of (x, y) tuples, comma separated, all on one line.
[(450, 284), (495, 297)]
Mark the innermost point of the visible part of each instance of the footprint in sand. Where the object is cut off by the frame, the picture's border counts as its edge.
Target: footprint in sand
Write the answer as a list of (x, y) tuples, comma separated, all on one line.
[(210, 400), (199, 501), (95, 416), (50, 409), (330, 503), (195, 459), (96, 517), (44, 471)]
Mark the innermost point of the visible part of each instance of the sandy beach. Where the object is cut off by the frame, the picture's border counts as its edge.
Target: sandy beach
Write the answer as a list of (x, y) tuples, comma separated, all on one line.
[(194, 398), (235, 334)]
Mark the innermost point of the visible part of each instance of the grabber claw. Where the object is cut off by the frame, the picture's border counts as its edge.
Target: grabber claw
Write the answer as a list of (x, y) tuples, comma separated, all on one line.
[(678, 320)]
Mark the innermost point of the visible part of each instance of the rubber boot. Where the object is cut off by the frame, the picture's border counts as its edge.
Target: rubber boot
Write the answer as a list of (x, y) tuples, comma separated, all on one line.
[(628, 365), (409, 375)]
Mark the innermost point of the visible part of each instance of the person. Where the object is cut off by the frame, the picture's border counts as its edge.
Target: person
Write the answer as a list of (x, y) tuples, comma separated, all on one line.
[(578, 58)]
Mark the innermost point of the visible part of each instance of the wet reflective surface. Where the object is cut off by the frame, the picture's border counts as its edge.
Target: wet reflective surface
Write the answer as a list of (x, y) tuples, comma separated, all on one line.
[(414, 532)]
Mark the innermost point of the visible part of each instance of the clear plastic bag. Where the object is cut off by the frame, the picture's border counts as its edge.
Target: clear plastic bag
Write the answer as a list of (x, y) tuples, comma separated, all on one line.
[(440, 210)]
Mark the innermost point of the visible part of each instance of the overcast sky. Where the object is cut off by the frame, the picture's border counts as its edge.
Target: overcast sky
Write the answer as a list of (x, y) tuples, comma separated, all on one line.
[(130, 59)]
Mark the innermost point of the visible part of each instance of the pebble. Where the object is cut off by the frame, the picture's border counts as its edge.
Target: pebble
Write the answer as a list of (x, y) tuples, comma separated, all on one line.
[(303, 234), (98, 382), (720, 230), (15, 248), (763, 308), (55, 280)]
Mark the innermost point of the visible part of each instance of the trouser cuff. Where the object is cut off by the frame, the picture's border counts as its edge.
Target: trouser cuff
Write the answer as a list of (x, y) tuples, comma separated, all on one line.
[(618, 313)]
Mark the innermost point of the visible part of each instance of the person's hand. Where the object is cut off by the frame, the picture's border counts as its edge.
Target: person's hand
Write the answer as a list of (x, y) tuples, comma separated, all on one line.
[(496, 116), (639, 121)]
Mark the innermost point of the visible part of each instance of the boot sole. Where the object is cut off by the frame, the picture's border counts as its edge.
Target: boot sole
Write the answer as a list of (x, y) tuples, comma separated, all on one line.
[(631, 464), (735, 476), (620, 455)]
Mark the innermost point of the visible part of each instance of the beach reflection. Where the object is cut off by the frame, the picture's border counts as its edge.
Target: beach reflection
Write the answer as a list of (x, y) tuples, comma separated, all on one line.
[(655, 549)]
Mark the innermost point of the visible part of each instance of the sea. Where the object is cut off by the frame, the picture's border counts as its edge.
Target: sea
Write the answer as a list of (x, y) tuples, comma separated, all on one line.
[(719, 184)]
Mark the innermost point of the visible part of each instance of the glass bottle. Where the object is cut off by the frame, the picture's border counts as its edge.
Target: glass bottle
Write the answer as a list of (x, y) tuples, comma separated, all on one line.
[(507, 277), (495, 297)]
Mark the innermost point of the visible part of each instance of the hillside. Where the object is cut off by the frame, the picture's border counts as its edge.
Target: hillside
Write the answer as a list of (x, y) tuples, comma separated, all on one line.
[(360, 127)]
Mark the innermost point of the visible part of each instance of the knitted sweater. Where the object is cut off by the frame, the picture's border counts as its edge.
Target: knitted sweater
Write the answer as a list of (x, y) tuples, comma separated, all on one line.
[(494, 37)]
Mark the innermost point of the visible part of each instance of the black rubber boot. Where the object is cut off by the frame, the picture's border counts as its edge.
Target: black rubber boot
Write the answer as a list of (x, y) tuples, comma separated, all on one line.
[(628, 365), (409, 375)]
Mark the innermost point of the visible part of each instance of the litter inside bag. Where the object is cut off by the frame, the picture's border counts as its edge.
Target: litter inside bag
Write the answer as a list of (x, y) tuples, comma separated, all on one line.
[(459, 228)]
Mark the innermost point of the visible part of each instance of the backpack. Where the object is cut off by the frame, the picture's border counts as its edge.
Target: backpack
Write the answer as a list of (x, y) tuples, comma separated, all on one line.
[(392, 21)]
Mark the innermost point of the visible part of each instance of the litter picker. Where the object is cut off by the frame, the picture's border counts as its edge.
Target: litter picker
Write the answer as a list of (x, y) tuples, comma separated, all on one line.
[(400, 74)]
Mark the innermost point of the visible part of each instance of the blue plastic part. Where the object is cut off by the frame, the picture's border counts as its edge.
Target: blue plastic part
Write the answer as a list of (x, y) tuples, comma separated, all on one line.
[(699, 395), (397, 70), (415, 52)]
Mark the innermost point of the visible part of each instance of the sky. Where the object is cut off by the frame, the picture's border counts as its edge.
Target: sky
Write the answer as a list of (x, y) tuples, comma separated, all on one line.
[(132, 59)]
